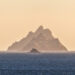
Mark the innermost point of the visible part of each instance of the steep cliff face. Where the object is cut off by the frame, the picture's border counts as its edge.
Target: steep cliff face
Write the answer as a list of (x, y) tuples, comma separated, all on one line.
[(42, 39)]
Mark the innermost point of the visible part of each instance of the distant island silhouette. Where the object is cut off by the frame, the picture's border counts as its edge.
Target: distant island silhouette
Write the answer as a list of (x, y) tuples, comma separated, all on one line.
[(34, 51), (42, 40)]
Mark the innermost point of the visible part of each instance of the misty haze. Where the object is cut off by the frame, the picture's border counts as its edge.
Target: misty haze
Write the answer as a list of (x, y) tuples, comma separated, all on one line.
[(37, 37)]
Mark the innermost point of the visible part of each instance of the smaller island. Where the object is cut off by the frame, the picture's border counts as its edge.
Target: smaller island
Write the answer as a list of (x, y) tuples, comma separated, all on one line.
[(34, 51)]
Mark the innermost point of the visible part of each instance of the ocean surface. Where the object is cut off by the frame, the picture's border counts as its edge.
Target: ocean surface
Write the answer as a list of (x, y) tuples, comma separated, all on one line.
[(37, 63)]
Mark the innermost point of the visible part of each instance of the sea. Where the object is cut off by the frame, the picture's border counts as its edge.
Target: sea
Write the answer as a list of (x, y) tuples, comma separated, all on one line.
[(37, 63)]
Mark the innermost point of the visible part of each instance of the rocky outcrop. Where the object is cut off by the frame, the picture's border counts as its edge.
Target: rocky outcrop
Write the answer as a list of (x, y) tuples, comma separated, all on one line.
[(42, 40), (34, 51)]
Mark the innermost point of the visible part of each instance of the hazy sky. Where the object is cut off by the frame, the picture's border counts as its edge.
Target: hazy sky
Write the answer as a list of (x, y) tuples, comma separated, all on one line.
[(18, 17)]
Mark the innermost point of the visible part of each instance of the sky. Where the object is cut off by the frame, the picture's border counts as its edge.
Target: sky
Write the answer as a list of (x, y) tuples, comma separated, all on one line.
[(18, 17)]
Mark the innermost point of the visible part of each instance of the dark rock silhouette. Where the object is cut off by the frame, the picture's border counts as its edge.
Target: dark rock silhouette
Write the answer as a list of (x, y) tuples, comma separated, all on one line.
[(34, 51), (42, 39)]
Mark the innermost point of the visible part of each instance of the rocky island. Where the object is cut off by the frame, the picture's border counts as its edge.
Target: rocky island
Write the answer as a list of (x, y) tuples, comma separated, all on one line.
[(42, 40)]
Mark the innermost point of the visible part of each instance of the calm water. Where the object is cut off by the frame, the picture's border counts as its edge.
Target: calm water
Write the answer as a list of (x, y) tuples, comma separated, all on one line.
[(37, 64)]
